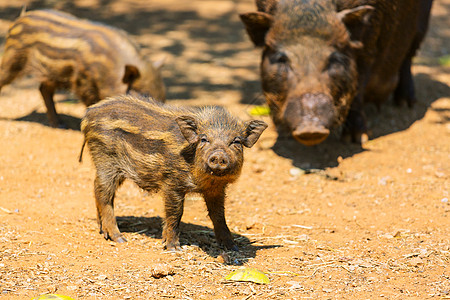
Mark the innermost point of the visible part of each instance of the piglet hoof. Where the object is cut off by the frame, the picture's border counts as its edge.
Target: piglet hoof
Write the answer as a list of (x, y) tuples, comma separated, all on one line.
[(58, 125), (61, 125), (118, 238), (121, 240), (173, 245), (230, 245), (173, 248)]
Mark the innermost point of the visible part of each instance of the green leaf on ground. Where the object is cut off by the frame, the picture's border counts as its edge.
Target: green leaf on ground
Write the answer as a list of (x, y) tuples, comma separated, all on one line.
[(248, 274), (444, 60), (260, 111)]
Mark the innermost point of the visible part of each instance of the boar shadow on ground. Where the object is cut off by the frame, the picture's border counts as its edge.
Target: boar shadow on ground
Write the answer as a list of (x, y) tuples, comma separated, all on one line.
[(71, 122), (191, 234), (392, 119), (311, 158), (382, 122)]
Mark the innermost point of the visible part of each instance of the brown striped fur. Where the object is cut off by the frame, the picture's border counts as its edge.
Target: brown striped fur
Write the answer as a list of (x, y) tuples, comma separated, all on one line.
[(161, 147), (95, 61)]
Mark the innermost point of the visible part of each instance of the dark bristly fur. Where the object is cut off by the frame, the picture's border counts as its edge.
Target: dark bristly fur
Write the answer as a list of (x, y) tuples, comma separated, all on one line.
[(161, 147), (323, 59), (93, 60)]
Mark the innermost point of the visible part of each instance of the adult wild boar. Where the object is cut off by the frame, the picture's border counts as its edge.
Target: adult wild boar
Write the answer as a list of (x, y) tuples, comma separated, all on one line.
[(93, 60), (323, 59)]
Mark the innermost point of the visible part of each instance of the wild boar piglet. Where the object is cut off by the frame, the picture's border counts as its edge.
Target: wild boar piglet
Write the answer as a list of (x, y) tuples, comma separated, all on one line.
[(171, 149), (63, 52)]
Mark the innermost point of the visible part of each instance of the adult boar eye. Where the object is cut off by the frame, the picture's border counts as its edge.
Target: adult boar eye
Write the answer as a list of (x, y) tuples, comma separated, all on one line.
[(337, 62), (279, 58)]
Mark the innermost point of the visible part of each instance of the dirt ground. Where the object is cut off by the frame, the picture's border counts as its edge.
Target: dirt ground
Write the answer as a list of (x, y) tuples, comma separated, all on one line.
[(335, 221)]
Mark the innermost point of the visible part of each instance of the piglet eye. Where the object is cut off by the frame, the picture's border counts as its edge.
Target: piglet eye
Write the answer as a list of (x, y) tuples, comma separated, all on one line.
[(237, 141)]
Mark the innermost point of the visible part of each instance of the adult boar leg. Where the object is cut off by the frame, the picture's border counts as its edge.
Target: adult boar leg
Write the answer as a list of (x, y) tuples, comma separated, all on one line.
[(216, 210), (104, 199), (405, 87), (355, 127)]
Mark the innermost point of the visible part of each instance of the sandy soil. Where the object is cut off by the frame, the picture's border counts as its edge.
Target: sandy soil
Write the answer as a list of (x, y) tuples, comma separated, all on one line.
[(365, 222)]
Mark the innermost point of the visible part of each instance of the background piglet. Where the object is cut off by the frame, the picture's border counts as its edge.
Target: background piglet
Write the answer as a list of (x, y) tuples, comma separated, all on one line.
[(92, 60)]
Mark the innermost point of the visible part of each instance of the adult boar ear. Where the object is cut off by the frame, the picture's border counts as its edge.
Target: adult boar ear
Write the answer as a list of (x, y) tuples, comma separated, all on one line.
[(356, 19), (253, 131), (188, 127), (359, 14), (131, 74), (257, 25)]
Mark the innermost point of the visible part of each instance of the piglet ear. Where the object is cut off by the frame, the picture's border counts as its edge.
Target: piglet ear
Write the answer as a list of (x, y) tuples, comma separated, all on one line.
[(257, 25), (188, 127), (131, 74), (253, 131)]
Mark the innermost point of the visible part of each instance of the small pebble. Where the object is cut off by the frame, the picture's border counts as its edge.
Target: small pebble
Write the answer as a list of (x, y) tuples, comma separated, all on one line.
[(415, 261), (385, 180), (101, 277), (223, 258), (296, 172), (161, 270)]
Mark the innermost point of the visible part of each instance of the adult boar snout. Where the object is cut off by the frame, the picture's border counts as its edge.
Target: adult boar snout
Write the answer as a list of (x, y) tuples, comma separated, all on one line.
[(310, 116), (310, 135)]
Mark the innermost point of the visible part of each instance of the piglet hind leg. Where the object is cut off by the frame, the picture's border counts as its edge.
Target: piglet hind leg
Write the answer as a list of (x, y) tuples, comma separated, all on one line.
[(13, 63), (47, 90), (173, 205), (104, 198), (216, 210)]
